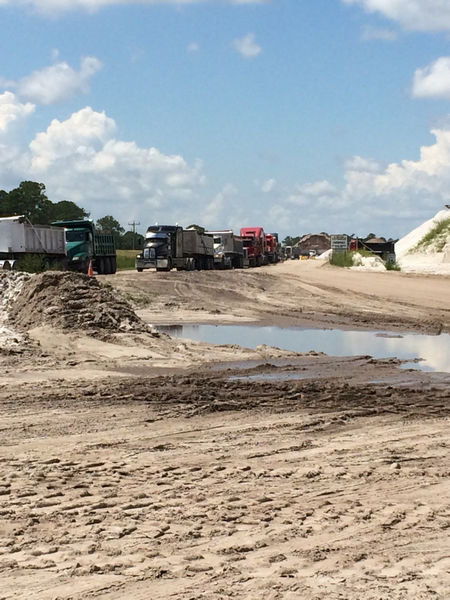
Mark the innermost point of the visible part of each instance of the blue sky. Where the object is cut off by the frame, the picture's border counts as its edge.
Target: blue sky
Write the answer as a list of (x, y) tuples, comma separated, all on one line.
[(297, 115)]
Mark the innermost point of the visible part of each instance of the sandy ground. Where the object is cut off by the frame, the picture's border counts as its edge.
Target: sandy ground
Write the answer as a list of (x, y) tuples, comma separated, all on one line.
[(136, 466), (295, 292)]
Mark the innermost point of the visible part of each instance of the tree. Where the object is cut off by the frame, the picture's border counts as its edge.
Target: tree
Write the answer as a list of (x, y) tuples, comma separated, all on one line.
[(131, 241), (68, 211), (291, 241), (30, 200), (109, 224)]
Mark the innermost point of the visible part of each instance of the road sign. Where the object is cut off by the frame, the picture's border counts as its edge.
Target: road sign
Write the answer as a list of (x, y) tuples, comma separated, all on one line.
[(339, 243)]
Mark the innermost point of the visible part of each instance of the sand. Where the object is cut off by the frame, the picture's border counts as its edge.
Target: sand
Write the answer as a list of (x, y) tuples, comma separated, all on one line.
[(137, 466)]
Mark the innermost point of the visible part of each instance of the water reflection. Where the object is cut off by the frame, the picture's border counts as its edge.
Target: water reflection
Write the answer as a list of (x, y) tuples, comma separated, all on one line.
[(433, 350)]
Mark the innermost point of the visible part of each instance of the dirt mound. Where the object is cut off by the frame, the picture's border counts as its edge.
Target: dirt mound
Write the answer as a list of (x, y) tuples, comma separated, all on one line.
[(72, 301)]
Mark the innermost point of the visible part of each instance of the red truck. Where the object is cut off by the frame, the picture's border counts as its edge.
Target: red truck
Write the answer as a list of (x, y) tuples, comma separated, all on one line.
[(254, 240), (272, 247)]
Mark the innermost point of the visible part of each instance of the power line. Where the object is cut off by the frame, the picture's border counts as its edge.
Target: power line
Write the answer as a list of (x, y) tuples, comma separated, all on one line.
[(133, 224)]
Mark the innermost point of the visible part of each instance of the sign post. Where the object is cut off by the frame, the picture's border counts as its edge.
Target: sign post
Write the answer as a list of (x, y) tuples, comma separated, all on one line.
[(339, 243)]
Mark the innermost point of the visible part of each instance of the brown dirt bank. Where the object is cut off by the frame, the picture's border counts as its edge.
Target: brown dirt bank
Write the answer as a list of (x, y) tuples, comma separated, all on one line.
[(292, 293)]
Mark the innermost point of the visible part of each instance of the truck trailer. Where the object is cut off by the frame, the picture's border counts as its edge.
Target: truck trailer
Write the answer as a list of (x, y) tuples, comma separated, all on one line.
[(20, 240), (228, 249), (84, 243), (170, 246), (254, 240)]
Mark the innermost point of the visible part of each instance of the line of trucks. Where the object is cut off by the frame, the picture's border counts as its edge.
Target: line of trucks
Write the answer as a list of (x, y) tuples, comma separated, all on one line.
[(72, 245), (77, 244), (170, 246)]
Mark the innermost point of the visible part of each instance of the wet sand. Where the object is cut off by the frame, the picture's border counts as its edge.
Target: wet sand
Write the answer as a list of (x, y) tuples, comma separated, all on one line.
[(137, 466)]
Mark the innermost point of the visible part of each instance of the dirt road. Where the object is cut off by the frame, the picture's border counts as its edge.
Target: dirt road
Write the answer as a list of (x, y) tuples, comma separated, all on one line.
[(295, 292), (133, 467)]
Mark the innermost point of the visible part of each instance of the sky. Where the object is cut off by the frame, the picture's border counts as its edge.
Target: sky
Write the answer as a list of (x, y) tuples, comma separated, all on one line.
[(296, 115)]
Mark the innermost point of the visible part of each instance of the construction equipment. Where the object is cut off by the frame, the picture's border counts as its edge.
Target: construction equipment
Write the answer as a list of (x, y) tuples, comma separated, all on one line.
[(21, 240), (254, 240), (84, 243), (228, 249), (170, 246)]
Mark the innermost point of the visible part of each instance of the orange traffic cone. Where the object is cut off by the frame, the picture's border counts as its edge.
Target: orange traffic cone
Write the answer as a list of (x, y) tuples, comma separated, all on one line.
[(90, 269)]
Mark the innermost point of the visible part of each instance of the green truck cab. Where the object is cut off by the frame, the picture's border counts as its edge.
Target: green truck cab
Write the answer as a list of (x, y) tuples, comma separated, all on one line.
[(84, 243)]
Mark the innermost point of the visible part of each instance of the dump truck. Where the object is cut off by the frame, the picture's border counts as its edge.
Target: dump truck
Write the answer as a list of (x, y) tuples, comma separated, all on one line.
[(254, 239), (170, 246), (228, 249), (21, 241), (272, 248), (86, 245)]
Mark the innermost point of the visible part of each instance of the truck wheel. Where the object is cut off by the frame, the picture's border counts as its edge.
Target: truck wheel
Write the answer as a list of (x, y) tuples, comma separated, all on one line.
[(113, 265), (100, 266), (139, 269)]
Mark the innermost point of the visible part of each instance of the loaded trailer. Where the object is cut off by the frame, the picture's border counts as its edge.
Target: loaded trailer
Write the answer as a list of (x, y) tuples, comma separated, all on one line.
[(170, 246), (86, 245), (22, 242), (228, 249)]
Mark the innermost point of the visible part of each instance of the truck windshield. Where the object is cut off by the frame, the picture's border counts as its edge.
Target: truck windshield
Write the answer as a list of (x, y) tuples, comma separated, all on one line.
[(247, 242), (217, 239), (77, 235)]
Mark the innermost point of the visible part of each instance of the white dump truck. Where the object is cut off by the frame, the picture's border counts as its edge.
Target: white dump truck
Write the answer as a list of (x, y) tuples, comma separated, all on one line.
[(228, 249), (20, 239)]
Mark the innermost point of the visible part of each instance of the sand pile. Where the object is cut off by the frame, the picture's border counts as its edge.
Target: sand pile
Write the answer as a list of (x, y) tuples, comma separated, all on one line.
[(11, 285), (72, 301), (367, 263), (415, 254)]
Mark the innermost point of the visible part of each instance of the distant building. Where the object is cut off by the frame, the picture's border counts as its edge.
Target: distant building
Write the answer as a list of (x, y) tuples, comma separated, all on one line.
[(314, 242)]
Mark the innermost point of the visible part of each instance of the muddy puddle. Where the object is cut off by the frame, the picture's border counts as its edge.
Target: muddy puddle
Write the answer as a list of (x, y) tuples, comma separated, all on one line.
[(422, 352)]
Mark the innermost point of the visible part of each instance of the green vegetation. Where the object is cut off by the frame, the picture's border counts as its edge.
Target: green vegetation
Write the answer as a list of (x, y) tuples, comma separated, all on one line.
[(345, 259), (392, 266), (30, 200), (342, 259), (34, 263), (436, 238), (125, 259)]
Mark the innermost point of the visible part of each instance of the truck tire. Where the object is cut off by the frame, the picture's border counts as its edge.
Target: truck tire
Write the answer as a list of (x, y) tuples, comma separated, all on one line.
[(108, 265), (139, 269), (113, 265), (100, 265)]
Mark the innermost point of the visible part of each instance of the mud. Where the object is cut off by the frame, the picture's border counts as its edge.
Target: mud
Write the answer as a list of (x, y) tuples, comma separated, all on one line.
[(137, 466)]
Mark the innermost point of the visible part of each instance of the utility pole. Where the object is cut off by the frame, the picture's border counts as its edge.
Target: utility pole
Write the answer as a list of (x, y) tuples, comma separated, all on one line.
[(133, 224)]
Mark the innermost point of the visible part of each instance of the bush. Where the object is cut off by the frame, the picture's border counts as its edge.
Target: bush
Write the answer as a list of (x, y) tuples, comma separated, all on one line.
[(392, 266), (345, 259)]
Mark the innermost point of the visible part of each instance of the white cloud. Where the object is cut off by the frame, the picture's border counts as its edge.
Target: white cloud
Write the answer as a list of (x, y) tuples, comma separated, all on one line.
[(358, 163), (58, 82), (433, 81), (268, 185), (80, 159), (419, 15), (52, 7), (11, 110), (247, 46), (390, 200)]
